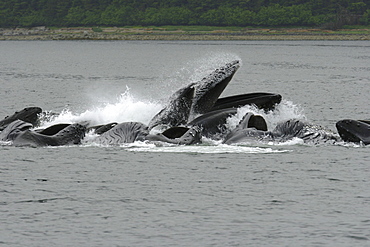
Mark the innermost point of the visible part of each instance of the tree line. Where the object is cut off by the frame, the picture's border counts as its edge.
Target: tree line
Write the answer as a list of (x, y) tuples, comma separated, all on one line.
[(69, 13)]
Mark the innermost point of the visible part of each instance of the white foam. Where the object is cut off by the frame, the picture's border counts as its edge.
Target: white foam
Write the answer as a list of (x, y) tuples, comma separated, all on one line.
[(205, 149), (283, 111)]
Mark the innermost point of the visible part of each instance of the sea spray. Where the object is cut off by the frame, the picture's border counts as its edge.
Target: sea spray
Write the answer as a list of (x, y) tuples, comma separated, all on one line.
[(126, 109), (192, 71)]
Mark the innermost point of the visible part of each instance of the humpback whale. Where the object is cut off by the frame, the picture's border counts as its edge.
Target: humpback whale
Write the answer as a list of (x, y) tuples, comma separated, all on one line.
[(177, 135), (70, 135), (357, 131), (28, 114), (52, 130), (177, 111), (209, 89), (21, 134), (196, 98), (213, 124), (199, 103), (127, 132), (266, 101), (252, 128), (100, 129), (13, 129)]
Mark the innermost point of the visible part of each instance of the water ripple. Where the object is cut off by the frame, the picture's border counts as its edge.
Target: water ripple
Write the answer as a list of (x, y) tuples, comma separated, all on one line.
[(219, 149)]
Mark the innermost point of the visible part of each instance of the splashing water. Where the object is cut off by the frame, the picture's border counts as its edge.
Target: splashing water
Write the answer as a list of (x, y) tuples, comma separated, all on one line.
[(126, 109), (194, 71), (283, 111)]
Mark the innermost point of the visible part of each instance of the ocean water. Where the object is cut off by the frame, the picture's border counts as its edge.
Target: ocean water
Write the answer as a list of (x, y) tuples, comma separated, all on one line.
[(275, 194)]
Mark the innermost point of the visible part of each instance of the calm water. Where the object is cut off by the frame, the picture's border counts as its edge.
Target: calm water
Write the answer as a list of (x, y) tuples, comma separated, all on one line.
[(287, 194)]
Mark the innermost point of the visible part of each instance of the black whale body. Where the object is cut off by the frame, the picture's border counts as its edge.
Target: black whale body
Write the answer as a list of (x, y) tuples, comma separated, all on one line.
[(20, 133), (213, 124), (200, 98), (195, 98), (177, 110), (266, 101), (209, 89), (28, 114), (357, 131)]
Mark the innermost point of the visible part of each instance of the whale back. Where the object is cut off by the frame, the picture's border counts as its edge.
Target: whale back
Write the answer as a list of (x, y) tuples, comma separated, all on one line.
[(354, 130), (52, 130)]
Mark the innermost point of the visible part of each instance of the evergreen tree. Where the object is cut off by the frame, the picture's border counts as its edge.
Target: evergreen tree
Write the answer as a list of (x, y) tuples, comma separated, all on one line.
[(28, 13)]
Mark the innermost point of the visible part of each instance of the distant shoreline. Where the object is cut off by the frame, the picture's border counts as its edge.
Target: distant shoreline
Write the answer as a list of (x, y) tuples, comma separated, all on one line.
[(113, 33)]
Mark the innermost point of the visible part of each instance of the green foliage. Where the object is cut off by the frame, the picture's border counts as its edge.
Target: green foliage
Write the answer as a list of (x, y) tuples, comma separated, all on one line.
[(365, 18), (97, 29), (28, 13), (75, 16), (277, 15), (118, 16), (166, 16)]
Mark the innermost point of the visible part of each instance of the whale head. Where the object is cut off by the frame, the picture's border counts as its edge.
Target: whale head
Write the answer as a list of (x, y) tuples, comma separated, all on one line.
[(28, 114), (354, 130), (209, 89)]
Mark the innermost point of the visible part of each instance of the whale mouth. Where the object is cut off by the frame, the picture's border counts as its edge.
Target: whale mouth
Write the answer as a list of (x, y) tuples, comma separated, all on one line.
[(350, 130)]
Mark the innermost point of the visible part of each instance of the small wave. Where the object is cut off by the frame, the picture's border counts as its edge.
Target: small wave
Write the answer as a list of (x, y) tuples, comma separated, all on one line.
[(205, 149), (292, 142)]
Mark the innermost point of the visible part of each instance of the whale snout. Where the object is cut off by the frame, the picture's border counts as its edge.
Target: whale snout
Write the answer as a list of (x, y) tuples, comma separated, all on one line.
[(354, 131)]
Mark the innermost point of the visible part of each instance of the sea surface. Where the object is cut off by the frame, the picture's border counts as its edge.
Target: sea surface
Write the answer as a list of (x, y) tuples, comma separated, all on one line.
[(271, 194)]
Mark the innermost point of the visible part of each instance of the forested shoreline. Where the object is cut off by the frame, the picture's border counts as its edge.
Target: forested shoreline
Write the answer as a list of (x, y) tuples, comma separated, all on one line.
[(332, 14)]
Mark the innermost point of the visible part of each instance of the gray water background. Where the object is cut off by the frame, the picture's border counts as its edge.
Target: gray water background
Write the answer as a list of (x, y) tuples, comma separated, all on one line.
[(285, 195)]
